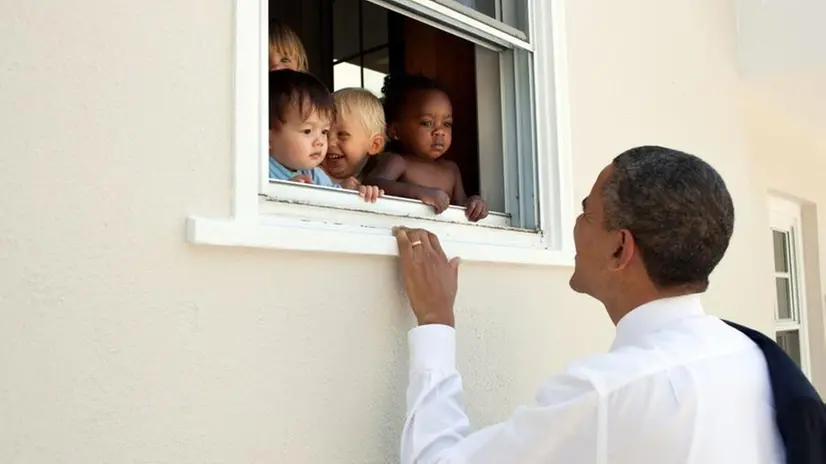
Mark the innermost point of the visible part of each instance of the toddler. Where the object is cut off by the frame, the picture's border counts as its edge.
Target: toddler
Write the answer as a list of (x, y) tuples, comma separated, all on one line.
[(286, 49), (301, 111), (420, 124), (356, 135)]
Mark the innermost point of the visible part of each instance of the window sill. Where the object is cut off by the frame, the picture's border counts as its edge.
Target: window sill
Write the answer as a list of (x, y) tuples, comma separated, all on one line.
[(470, 242), (280, 192)]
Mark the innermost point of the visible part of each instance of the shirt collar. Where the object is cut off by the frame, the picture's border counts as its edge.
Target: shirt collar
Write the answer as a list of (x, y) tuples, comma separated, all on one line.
[(655, 315), (275, 165)]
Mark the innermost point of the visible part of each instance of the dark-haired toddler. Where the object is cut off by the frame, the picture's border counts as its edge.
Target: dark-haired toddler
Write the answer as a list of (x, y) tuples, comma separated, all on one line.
[(301, 112), (420, 125)]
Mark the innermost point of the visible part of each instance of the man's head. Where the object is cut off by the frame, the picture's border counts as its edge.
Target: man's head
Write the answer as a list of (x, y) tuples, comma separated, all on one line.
[(656, 219), (357, 133)]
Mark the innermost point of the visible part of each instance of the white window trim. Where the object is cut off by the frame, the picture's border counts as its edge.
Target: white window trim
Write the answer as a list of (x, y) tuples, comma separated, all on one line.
[(261, 223), (497, 34), (786, 216)]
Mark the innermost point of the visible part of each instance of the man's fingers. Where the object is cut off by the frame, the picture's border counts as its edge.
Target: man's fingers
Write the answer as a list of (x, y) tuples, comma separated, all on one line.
[(454, 264), (437, 246), (411, 239), (422, 237), (403, 241)]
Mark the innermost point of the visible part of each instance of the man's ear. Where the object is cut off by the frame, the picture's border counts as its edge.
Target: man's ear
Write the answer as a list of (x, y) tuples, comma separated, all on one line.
[(376, 144), (625, 249)]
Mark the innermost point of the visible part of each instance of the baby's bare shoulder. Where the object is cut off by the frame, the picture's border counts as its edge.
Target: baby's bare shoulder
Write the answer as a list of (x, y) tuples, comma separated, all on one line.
[(388, 165), (391, 159), (389, 155)]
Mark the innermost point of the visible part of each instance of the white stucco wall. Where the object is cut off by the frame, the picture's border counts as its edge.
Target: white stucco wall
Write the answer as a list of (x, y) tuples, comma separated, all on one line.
[(778, 36), (123, 343), (789, 160)]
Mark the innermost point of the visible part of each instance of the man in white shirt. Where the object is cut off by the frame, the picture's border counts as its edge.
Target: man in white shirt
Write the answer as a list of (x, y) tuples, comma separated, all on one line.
[(677, 386)]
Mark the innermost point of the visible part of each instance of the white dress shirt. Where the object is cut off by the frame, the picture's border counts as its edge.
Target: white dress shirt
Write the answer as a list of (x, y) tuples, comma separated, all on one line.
[(677, 386)]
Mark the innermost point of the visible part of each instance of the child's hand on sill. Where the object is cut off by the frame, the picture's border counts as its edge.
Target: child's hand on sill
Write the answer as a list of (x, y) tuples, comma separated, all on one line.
[(476, 209), (351, 183), (436, 198), (370, 193), (302, 179)]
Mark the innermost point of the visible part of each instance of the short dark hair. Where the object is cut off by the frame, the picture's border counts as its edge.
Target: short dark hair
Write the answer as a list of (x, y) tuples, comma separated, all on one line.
[(299, 90), (396, 89), (678, 209)]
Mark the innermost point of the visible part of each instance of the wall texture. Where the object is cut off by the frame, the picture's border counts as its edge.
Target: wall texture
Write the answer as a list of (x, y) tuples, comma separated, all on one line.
[(123, 343), (789, 159)]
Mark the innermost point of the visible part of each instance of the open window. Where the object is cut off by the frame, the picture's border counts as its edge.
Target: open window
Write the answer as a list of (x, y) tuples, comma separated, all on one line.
[(356, 43), (502, 64)]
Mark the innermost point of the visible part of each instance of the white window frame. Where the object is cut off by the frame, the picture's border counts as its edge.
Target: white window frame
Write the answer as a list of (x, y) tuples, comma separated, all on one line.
[(785, 216), (296, 222)]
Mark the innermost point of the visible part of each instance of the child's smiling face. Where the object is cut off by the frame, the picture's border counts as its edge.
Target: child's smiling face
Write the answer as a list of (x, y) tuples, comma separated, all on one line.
[(350, 144), (425, 126), (297, 143)]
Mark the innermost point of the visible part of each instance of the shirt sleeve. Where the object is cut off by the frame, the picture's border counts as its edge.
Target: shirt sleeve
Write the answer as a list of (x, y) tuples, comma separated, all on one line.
[(564, 425)]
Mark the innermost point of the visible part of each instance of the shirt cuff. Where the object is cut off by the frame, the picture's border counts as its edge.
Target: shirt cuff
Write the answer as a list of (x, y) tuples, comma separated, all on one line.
[(432, 347)]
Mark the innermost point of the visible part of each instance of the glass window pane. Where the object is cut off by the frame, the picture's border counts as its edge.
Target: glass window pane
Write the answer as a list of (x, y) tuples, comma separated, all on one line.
[(360, 45), (346, 42), (346, 74), (513, 12), (781, 254), (373, 26), (790, 342), (487, 7), (376, 67), (784, 302)]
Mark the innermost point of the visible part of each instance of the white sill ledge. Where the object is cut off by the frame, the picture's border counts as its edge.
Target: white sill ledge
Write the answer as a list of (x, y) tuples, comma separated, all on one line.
[(348, 200), (299, 217), (316, 236)]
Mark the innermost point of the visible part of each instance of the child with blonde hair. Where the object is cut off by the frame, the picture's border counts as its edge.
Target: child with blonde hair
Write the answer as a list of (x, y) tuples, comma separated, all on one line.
[(286, 49), (356, 134)]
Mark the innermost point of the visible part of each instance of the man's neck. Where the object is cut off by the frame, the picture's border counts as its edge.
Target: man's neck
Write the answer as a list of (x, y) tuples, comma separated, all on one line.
[(626, 302)]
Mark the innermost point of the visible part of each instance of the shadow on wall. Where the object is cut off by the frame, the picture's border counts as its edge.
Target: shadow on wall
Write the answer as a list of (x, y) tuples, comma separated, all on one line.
[(815, 299)]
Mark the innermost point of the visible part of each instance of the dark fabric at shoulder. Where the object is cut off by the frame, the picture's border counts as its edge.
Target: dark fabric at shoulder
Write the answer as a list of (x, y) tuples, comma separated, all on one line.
[(800, 413)]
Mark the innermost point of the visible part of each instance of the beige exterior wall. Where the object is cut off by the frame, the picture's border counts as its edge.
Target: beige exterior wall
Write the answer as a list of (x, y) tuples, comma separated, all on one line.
[(789, 159), (123, 343)]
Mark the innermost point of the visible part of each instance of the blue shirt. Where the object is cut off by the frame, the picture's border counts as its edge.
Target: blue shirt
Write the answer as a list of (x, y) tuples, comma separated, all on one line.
[(280, 172)]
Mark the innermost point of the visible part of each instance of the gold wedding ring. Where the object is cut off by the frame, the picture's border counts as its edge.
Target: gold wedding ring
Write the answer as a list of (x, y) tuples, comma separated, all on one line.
[(416, 243)]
